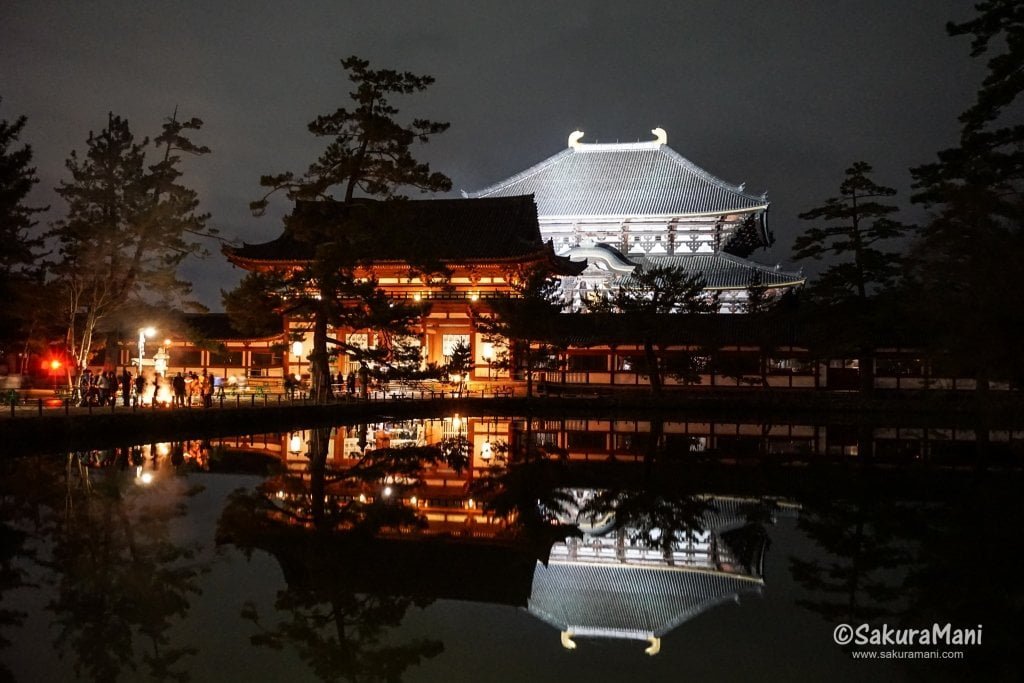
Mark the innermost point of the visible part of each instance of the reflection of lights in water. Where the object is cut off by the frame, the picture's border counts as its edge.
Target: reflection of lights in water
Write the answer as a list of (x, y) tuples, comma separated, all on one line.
[(387, 491)]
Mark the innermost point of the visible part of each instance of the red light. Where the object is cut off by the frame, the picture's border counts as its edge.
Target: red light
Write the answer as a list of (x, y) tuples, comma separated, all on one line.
[(55, 365)]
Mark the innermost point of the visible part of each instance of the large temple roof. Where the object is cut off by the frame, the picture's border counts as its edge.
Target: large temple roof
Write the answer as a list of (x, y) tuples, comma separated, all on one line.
[(720, 270), (445, 230), (644, 178), (725, 271), (625, 601)]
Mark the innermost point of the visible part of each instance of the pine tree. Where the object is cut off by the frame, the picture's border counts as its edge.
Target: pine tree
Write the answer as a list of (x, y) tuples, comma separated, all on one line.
[(851, 231), (20, 247), (127, 229), (369, 154), (252, 306), (646, 297), (17, 177), (523, 324), (964, 257)]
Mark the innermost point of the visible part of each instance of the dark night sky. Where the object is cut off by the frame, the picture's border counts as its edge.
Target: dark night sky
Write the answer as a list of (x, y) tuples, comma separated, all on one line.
[(780, 95)]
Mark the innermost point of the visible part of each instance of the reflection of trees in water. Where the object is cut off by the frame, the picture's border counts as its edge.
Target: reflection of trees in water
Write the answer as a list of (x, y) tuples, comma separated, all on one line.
[(12, 546), (651, 519), (20, 518), (916, 563), (120, 581), (525, 484), (341, 633), (965, 572), (365, 495), (868, 546)]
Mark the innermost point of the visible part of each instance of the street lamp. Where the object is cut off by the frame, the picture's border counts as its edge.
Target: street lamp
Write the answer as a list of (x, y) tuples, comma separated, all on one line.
[(143, 333)]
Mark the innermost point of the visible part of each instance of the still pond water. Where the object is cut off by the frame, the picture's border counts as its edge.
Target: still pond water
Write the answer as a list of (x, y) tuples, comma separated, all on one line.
[(505, 549)]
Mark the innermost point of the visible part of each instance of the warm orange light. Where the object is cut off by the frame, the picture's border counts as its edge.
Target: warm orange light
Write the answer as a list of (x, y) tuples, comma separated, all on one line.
[(55, 365)]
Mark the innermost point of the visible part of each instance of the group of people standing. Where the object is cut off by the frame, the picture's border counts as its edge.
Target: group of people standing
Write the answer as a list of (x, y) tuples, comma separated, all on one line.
[(103, 388), (349, 381), (192, 388)]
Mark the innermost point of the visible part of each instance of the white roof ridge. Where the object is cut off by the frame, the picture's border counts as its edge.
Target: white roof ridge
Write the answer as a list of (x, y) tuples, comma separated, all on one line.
[(615, 146)]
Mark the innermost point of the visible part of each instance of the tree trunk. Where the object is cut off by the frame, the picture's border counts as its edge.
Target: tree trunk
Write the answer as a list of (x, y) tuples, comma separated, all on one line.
[(982, 408), (866, 361), (653, 370), (319, 439), (318, 359)]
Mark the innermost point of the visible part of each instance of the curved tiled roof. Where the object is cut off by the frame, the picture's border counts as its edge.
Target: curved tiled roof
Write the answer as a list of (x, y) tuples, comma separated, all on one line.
[(448, 230), (646, 178), (725, 271), (626, 601)]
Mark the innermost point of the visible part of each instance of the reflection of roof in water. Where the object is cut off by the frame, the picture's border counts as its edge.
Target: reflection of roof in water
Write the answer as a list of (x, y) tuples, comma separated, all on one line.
[(623, 601), (607, 585)]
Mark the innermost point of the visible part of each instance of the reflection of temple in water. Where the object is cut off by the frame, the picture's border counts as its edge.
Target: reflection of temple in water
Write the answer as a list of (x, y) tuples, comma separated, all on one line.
[(624, 581), (484, 439), (629, 439)]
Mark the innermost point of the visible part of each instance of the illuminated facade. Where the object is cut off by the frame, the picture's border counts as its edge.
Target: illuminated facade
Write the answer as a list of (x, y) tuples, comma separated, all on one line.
[(622, 205), (449, 255)]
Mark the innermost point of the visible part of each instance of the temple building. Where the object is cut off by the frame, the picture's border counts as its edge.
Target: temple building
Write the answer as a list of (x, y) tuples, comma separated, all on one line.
[(451, 255), (626, 579), (623, 205)]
